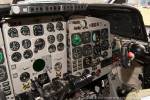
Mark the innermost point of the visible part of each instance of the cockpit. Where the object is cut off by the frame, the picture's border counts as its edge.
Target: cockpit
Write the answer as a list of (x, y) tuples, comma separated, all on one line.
[(73, 50)]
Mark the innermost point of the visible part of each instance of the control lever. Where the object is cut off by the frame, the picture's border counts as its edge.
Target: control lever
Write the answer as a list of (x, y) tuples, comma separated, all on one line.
[(124, 57), (36, 89)]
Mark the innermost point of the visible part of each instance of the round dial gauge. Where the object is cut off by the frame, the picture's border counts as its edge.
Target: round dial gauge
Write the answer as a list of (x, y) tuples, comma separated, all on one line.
[(50, 27), (60, 46), (104, 45), (87, 50), (14, 46), (38, 30), (51, 39), (12, 32), (28, 54), (24, 77), (26, 43), (3, 74), (25, 30), (76, 39), (60, 37), (59, 26), (77, 52), (16, 57), (39, 44), (86, 37), (104, 33), (52, 48)]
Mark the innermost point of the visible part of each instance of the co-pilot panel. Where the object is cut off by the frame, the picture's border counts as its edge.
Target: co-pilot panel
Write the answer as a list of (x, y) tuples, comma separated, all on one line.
[(65, 55)]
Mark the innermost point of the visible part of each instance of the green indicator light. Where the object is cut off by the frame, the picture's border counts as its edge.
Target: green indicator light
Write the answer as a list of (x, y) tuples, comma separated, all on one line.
[(76, 39), (1, 57)]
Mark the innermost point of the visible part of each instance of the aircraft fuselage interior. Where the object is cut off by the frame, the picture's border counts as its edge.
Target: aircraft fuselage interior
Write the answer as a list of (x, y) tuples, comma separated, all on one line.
[(60, 51)]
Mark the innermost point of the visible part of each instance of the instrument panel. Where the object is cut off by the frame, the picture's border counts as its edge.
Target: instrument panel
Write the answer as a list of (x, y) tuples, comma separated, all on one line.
[(89, 45), (45, 49), (34, 50)]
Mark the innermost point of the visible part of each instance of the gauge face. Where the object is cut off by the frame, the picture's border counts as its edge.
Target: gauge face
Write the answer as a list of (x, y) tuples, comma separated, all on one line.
[(3, 74), (77, 53), (104, 33), (25, 30), (87, 62), (51, 39), (60, 37), (87, 50), (24, 77), (28, 54), (39, 44), (38, 30), (52, 48), (12, 32), (86, 37), (50, 27), (104, 45), (16, 57), (96, 36), (76, 39), (14, 46), (60, 46), (97, 51), (59, 26), (39, 65), (26, 43)]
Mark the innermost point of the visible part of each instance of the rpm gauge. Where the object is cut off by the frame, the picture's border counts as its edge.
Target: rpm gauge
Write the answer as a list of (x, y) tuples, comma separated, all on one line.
[(28, 54), (25, 30), (14, 46), (39, 44), (12, 32), (26, 43), (50, 27), (16, 57), (38, 30), (59, 26)]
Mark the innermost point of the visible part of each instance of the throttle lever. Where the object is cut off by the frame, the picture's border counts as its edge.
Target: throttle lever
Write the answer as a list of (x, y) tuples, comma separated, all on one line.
[(124, 57)]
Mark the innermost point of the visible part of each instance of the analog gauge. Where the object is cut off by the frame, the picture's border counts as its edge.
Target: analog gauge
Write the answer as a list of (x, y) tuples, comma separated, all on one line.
[(104, 45), (86, 37), (104, 33), (28, 54), (76, 39), (38, 30), (60, 46), (39, 44), (12, 32), (51, 39), (59, 26), (26, 43), (96, 36), (87, 62), (52, 48), (25, 30), (24, 77), (14, 46), (3, 74), (87, 50), (77, 53), (50, 27), (60, 37), (16, 57), (96, 51)]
